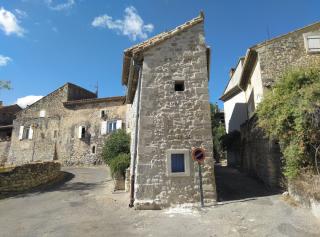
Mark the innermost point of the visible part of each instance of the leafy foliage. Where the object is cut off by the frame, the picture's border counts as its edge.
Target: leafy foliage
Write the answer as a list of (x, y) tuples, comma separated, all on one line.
[(218, 130), (119, 165), (5, 85), (115, 144), (290, 113)]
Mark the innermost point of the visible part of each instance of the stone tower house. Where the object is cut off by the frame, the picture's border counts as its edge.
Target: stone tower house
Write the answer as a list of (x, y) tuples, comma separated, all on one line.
[(167, 86)]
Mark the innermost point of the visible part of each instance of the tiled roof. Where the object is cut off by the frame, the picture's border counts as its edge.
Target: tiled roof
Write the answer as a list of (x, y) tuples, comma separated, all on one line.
[(164, 35), (139, 48)]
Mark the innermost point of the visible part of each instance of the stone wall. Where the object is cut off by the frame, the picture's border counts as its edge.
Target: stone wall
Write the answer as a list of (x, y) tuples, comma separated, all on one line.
[(21, 178), (55, 136), (279, 55), (4, 151), (75, 151), (172, 119), (260, 156), (306, 190)]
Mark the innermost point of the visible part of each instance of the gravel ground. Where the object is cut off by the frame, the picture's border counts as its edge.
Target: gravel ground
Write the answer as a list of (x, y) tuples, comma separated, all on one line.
[(86, 206)]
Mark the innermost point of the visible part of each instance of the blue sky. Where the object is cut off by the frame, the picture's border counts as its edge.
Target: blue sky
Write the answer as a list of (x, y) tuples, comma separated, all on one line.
[(46, 43)]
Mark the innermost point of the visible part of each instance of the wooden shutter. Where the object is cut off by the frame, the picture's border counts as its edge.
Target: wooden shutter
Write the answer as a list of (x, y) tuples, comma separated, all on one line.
[(30, 133), (21, 132), (103, 128), (80, 132), (119, 124)]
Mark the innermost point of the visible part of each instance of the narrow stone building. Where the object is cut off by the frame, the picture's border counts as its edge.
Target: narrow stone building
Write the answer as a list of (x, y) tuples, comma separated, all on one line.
[(167, 86), (69, 125)]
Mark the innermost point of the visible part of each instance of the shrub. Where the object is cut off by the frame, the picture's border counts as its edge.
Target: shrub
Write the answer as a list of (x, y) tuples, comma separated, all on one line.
[(218, 131), (115, 144), (119, 165), (290, 113)]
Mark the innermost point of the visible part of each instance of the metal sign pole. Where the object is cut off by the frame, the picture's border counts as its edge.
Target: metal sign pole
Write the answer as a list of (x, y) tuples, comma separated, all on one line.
[(200, 185)]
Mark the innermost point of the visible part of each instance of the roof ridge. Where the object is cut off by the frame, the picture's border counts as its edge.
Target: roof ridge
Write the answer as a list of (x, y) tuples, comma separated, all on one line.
[(164, 35), (280, 36)]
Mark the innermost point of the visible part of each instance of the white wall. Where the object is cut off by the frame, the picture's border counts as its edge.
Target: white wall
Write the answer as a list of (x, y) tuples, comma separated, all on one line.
[(255, 85), (236, 77), (235, 112)]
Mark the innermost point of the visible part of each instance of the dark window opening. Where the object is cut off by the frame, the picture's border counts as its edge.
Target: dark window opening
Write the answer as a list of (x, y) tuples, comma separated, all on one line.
[(177, 163), (27, 133), (94, 150), (55, 134), (103, 113), (179, 85), (83, 132)]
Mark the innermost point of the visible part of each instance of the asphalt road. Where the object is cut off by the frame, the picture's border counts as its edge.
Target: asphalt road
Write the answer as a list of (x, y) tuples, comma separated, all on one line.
[(86, 206)]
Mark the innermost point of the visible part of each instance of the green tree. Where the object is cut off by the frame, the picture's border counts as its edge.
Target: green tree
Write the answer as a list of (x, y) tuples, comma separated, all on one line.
[(218, 130), (115, 144), (5, 85), (290, 113)]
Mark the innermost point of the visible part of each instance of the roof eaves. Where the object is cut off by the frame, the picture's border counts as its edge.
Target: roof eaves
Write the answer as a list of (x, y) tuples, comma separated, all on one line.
[(230, 93)]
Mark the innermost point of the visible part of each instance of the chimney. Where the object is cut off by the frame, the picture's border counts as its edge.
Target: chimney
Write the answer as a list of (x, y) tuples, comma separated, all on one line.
[(1, 103), (231, 72)]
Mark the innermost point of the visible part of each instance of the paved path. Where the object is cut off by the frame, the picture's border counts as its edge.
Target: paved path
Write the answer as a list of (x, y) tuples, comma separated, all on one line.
[(85, 206)]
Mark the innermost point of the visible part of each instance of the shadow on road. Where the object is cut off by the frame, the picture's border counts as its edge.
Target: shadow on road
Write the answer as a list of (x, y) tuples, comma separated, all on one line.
[(233, 185), (48, 187)]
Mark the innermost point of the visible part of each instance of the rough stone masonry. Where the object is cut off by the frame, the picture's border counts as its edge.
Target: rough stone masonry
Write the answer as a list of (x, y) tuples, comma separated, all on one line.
[(173, 117)]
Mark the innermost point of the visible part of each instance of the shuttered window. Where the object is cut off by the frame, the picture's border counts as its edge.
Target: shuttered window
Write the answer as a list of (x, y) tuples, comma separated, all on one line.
[(82, 132), (114, 125), (177, 163), (314, 43)]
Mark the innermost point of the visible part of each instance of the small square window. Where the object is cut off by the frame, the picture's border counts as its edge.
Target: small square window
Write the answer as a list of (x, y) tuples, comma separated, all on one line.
[(177, 163), (179, 85)]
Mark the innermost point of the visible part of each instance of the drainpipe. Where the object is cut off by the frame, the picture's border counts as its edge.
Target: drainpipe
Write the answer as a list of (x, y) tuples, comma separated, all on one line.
[(135, 152)]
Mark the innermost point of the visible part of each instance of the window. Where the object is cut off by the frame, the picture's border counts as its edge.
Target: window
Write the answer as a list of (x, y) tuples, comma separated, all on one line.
[(103, 113), (42, 114), (178, 162), (82, 132), (55, 134), (25, 133), (179, 85), (114, 125), (312, 42), (93, 149)]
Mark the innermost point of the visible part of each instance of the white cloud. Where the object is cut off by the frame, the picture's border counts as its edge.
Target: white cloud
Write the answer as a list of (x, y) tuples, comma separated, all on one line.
[(20, 13), (131, 25), (9, 24), (4, 60), (53, 5), (23, 102)]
